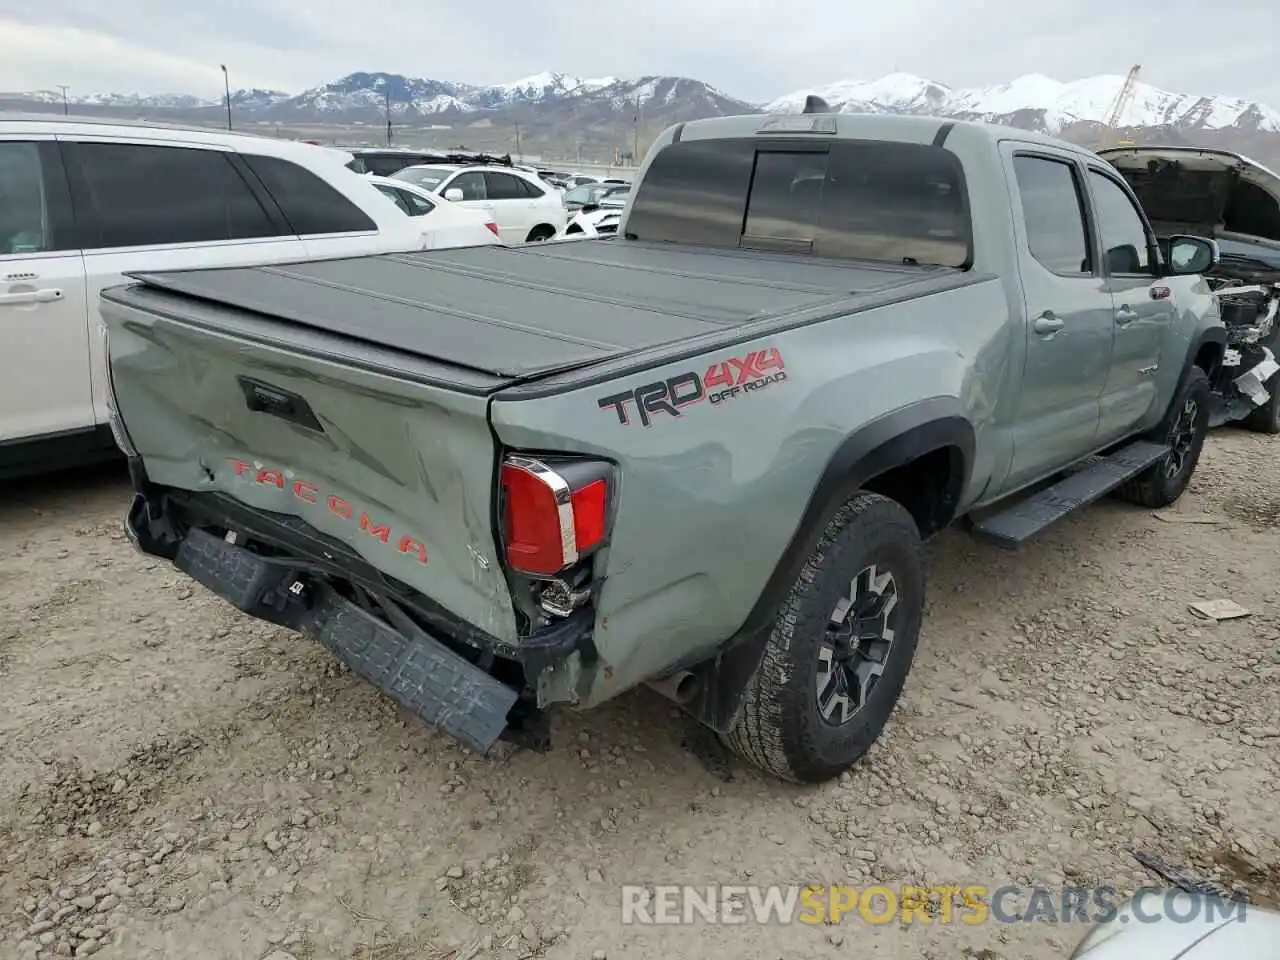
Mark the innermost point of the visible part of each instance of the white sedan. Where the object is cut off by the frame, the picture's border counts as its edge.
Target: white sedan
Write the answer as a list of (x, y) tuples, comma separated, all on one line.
[(446, 224)]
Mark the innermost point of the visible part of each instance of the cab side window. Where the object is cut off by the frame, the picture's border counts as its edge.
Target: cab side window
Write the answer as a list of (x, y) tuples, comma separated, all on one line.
[(1126, 245)]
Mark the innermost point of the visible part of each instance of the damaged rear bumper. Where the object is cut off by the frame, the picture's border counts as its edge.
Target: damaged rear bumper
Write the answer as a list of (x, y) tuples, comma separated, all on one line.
[(417, 671), (446, 672)]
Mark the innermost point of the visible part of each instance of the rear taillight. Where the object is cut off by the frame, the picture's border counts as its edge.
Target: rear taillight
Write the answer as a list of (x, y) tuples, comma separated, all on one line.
[(552, 515), (493, 228)]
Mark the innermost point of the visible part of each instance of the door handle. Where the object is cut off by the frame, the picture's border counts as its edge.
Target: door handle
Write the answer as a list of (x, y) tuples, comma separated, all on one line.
[(1047, 324), (1125, 315), (32, 296)]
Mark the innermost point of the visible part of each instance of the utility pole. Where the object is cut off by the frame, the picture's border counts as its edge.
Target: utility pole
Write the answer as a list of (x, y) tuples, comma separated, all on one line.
[(226, 85), (578, 147), (635, 134), (518, 153), (65, 108), (388, 110)]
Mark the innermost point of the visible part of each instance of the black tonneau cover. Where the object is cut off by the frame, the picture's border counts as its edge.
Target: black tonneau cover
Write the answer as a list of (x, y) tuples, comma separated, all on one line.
[(530, 310)]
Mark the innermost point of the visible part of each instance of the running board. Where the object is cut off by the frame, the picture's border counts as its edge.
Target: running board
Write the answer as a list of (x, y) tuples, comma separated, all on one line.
[(1014, 525)]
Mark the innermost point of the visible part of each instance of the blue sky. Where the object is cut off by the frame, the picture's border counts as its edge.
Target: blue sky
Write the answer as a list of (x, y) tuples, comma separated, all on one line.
[(753, 50)]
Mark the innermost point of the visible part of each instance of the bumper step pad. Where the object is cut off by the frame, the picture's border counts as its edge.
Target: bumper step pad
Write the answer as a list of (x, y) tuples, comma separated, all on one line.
[(417, 672)]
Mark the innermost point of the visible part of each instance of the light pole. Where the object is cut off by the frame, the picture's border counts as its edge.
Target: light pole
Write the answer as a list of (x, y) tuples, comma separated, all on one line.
[(388, 112), (226, 85), (65, 108), (635, 134)]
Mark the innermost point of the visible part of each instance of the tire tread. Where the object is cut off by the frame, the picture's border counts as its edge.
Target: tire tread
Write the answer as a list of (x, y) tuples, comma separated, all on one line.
[(758, 734)]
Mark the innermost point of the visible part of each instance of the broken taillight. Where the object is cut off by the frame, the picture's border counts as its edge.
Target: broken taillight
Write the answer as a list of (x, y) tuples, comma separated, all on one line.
[(493, 228), (552, 514)]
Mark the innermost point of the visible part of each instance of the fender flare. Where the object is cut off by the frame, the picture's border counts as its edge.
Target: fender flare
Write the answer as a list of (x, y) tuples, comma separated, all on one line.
[(890, 441)]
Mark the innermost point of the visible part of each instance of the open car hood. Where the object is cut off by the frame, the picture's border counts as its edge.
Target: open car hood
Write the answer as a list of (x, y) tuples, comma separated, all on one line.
[(1210, 193)]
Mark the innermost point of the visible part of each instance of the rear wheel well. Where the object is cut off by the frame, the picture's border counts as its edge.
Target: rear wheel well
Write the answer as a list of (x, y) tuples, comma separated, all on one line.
[(928, 487), (543, 231)]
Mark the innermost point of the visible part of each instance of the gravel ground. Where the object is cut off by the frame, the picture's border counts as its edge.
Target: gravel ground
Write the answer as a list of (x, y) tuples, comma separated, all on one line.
[(179, 781)]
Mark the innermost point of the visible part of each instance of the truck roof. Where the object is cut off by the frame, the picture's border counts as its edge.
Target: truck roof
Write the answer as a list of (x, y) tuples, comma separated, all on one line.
[(910, 128)]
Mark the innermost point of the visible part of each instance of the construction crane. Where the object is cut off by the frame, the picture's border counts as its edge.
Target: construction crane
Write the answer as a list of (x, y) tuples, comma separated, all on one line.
[(1118, 104)]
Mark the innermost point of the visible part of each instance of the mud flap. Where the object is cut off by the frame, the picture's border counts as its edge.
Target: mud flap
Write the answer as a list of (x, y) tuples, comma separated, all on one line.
[(418, 672)]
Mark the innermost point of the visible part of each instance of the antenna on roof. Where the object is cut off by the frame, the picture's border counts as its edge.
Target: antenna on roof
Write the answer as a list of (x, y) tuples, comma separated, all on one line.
[(815, 104)]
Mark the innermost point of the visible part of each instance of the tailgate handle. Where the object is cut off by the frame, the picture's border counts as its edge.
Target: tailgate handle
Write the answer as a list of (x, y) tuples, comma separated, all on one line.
[(264, 398)]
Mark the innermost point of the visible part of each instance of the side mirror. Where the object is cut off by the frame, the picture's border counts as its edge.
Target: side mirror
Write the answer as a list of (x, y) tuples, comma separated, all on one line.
[(454, 194), (1188, 255)]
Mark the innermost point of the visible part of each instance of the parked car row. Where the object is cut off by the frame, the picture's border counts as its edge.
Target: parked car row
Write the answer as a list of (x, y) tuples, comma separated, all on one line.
[(85, 202)]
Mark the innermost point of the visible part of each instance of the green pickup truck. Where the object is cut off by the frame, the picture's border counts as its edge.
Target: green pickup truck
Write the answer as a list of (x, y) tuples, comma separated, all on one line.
[(701, 454)]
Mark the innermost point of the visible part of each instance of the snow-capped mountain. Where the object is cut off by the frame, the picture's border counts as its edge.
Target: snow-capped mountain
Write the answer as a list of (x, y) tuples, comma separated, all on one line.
[(360, 93), (536, 89), (163, 101), (564, 104), (896, 93), (1041, 102)]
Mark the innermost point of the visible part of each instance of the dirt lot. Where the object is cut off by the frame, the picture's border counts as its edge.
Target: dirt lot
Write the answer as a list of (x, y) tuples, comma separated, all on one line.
[(178, 781)]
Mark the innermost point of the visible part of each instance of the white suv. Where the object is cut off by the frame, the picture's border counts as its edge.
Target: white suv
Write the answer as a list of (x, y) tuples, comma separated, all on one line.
[(84, 202), (526, 208)]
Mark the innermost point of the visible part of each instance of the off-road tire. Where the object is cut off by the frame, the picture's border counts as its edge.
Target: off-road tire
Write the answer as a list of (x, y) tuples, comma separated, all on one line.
[(540, 233), (779, 727), (1155, 487)]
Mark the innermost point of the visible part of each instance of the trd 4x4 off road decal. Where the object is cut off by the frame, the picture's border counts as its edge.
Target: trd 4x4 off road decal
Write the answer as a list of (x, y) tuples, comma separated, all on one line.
[(723, 381)]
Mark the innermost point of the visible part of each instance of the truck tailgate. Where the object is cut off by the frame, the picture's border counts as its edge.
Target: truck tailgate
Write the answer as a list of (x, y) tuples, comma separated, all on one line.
[(398, 469)]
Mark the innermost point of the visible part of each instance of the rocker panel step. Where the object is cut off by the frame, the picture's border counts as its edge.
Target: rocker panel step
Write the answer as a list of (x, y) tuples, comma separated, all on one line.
[(1014, 525)]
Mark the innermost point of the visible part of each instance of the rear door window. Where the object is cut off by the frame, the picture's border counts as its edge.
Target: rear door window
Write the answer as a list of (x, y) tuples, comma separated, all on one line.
[(501, 186), (1053, 215), (310, 205), (35, 210), (133, 195)]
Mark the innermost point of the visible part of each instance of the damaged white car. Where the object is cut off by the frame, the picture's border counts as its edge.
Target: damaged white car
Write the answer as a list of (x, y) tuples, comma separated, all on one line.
[(1236, 202), (598, 219)]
